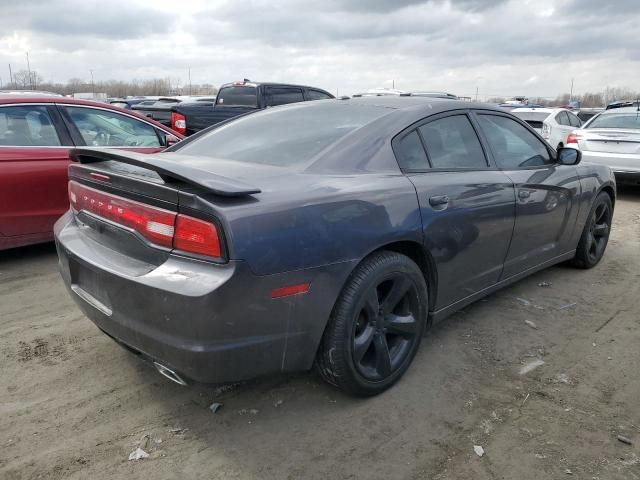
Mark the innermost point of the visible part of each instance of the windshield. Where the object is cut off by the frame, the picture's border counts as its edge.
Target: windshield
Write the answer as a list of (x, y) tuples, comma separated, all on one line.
[(283, 136), (238, 96), (616, 120)]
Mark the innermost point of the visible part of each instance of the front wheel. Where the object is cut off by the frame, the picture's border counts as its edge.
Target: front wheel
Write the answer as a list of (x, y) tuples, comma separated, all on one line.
[(376, 325), (595, 235)]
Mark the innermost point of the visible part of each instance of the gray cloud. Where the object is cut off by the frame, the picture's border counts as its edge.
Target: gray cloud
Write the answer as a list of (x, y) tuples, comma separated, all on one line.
[(500, 46)]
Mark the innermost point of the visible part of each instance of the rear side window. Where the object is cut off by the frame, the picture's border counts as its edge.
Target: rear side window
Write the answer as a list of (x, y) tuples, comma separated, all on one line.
[(283, 136), (562, 118), (317, 95), (574, 121), (452, 143), (27, 126), (513, 146), (238, 96), (410, 152), (281, 96)]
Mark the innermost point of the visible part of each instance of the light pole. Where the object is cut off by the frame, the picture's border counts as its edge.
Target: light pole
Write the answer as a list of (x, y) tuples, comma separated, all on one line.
[(93, 85)]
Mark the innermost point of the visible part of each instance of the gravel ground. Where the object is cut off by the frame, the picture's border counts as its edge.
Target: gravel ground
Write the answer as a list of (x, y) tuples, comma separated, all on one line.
[(74, 405)]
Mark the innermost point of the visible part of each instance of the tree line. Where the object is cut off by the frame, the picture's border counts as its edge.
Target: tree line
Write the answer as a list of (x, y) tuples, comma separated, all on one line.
[(32, 80)]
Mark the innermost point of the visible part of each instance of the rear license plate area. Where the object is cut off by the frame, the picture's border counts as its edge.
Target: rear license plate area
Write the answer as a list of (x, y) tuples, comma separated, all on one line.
[(87, 284)]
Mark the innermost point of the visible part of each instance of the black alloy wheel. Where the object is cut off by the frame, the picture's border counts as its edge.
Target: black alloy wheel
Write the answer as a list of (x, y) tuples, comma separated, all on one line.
[(376, 325), (386, 327), (595, 235)]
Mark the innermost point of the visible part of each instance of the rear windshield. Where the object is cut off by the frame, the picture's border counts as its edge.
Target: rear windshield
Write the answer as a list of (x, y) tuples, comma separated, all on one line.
[(616, 120), (531, 116), (238, 96), (534, 123), (283, 135)]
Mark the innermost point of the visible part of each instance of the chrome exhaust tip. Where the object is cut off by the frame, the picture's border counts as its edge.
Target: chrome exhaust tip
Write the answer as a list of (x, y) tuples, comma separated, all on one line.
[(170, 374)]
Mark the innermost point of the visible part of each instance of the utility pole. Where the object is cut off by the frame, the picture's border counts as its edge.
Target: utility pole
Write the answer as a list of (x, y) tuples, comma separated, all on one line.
[(571, 94), (476, 93), (29, 70), (93, 85), (189, 80), (11, 76)]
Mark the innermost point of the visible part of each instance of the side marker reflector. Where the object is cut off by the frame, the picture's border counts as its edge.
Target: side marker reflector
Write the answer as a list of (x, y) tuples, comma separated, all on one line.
[(290, 290)]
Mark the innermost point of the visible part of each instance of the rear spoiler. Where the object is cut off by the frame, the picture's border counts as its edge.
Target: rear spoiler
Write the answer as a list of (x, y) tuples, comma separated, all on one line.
[(168, 170)]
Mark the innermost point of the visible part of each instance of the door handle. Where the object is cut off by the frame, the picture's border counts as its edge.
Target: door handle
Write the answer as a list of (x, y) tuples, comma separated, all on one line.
[(524, 194), (438, 200)]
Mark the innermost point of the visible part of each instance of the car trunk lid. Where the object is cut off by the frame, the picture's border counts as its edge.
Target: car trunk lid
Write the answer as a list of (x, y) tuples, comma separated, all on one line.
[(610, 140)]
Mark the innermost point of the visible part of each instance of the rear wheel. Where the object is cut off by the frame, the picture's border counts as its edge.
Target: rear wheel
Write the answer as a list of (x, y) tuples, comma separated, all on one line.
[(595, 235), (376, 326)]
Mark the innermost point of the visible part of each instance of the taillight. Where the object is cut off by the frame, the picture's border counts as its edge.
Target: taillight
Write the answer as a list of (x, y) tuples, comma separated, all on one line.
[(196, 236), (161, 227), (573, 138), (546, 131), (178, 123)]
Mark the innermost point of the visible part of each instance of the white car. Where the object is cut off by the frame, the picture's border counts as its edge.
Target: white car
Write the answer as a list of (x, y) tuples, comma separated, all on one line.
[(612, 138), (554, 124)]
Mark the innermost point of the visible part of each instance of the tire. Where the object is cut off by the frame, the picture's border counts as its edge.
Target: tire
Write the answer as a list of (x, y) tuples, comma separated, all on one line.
[(595, 235), (376, 325)]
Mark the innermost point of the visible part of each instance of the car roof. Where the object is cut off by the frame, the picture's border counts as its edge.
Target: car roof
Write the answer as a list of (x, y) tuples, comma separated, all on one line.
[(251, 83), (620, 110)]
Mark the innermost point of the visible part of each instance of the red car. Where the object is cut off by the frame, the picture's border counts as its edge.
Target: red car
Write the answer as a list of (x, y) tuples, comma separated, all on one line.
[(36, 134)]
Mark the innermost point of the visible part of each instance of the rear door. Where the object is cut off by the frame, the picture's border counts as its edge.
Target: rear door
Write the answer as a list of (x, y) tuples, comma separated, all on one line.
[(97, 127), (467, 206), (546, 192), (34, 156)]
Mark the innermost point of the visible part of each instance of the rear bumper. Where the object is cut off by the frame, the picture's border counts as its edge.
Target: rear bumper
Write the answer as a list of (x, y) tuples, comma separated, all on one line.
[(209, 323), (620, 163)]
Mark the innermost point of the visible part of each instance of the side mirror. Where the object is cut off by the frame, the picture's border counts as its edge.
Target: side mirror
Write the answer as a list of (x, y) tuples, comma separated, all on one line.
[(569, 156), (170, 140)]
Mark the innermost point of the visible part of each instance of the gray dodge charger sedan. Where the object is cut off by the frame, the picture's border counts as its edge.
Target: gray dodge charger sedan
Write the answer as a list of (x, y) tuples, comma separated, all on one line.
[(329, 233)]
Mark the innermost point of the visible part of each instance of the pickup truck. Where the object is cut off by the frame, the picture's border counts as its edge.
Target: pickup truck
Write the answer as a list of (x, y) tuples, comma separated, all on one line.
[(238, 98), (160, 109)]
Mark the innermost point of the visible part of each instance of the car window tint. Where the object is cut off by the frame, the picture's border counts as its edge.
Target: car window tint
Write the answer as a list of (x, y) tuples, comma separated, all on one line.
[(282, 96), (562, 118), (452, 143), (513, 146), (410, 152), (316, 95), (283, 136), (238, 96), (573, 120), (102, 128), (27, 126)]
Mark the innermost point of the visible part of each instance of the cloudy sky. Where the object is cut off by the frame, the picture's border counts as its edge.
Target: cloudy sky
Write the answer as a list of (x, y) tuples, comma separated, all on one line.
[(501, 47)]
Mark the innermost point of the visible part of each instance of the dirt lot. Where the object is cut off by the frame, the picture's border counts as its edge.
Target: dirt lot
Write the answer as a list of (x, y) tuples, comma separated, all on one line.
[(74, 405)]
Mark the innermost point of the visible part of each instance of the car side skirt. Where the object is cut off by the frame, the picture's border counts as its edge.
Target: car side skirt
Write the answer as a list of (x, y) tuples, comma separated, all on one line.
[(443, 313)]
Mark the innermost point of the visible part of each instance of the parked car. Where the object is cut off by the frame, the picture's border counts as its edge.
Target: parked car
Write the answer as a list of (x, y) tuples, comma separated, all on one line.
[(127, 103), (585, 114), (36, 134), (554, 124), (238, 98), (612, 138), (323, 233), (160, 109)]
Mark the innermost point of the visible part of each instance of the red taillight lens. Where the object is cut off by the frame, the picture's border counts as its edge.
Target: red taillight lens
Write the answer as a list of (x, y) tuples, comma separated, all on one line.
[(573, 138), (161, 227), (196, 236), (155, 224), (178, 123)]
